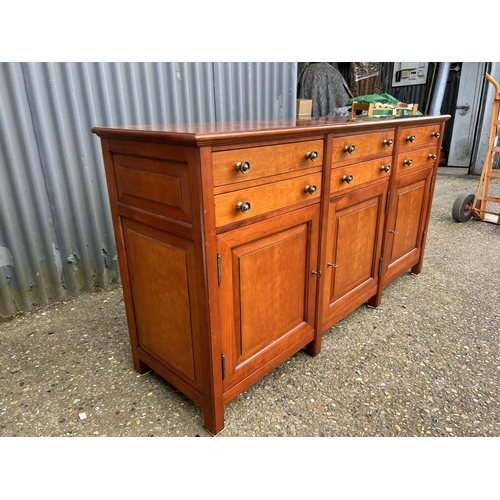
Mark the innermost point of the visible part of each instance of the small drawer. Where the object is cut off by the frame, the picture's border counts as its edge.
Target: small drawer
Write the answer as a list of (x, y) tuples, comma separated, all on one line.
[(413, 137), (352, 176), (352, 147), (238, 165), (416, 159), (245, 203)]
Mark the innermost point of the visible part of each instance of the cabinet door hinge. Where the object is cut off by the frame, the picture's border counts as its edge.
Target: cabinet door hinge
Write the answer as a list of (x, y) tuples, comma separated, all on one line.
[(380, 266), (423, 239), (431, 183), (387, 202), (219, 271), (223, 360)]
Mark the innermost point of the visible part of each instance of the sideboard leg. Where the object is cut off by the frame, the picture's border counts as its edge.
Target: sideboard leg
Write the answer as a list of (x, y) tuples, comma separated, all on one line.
[(213, 417), (375, 301), (417, 268), (314, 347), (140, 366)]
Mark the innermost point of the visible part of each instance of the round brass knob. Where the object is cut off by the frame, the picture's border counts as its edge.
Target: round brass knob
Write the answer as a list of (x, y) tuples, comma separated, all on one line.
[(312, 155), (411, 138), (408, 162), (385, 168), (437, 135), (349, 149), (310, 189), (243, 207), (388, 142), (243, 167), (347, 178), (432, 156)]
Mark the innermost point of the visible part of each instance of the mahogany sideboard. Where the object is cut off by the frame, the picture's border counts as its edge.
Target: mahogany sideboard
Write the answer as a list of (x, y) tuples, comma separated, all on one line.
[(241, 243)]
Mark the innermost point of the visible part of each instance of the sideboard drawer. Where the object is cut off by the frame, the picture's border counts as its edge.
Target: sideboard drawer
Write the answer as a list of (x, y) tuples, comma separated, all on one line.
[(245, 203), (238, 165), (413, 137), (353, 147), (416, 159), (353, 176)]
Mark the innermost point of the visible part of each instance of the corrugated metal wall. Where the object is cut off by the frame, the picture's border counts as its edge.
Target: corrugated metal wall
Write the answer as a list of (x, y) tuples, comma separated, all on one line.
[(56, 235)]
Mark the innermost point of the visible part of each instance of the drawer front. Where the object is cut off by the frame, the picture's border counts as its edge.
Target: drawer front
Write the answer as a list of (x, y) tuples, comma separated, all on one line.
[(240, 165), (414, 137), (353, 147), (245, 203), (417, 159), (353, 176)]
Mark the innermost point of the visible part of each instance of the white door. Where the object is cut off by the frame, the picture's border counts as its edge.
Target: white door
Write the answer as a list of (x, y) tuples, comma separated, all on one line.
[(466, 114)]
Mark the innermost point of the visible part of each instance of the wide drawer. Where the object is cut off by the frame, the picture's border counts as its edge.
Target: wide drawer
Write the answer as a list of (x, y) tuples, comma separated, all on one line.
[(352, 147), (413, 137), (245, 203), (238, 165), (353, 176), (416, 159)]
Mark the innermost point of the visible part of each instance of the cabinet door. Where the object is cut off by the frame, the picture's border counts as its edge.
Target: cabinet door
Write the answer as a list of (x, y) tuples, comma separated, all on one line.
[(406, 224), (353, 250), (267, 294)]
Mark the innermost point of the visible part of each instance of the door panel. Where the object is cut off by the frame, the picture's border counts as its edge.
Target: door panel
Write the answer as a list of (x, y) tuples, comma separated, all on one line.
[(267, 292), (165, 311), (353, 250), (408, 215), (406, 226), (466, 114)]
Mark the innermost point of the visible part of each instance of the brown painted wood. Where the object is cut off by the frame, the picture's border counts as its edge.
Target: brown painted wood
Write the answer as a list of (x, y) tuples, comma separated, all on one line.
[(268, 291), (266, 198), (160, 295), (353, 251), (350, 148), (416, 159), (213, 404), (265, 161), (357, 175), (406, 224), (415, 137), (216, 298)]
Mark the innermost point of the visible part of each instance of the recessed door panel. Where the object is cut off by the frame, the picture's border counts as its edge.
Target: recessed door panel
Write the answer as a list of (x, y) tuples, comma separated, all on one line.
[(267, 290), (353, 249)]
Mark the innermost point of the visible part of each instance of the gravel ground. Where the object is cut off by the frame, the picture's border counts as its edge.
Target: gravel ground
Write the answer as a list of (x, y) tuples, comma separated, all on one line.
[(424, 363)]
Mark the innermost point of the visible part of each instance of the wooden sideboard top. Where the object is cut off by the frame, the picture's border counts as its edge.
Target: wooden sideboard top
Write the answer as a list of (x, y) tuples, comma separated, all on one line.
[(204, 134)]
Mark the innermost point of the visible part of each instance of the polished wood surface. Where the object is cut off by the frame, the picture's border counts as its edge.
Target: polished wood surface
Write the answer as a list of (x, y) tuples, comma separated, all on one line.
[(353, 251), (216, 295), (268, 303), (406, 224), (266, 198), (265, 161), (357, 175), (415, 137), (416, 159), (354, 147)]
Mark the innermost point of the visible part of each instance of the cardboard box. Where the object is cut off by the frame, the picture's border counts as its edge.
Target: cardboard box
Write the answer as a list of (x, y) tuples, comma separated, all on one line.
[(304, 108)]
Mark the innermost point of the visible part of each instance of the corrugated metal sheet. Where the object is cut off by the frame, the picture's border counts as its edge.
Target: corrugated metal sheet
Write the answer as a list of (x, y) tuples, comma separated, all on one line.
[(255, 91), (56, 235)]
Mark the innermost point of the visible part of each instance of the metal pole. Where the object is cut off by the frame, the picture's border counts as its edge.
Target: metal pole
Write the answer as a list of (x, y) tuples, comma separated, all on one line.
[(441, 80)]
